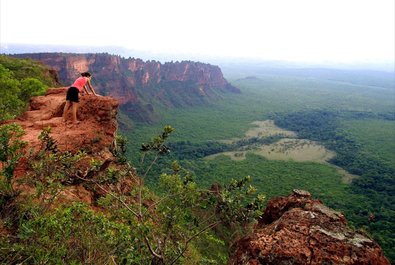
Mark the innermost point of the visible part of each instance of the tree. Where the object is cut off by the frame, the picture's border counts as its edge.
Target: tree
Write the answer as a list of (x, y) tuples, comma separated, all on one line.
[(19, 81), (10, 103), (169, 224), (11, 150), (31, 87)]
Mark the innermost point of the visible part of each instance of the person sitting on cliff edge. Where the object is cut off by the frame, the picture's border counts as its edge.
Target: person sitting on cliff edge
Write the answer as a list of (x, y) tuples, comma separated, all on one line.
[(72, 97)]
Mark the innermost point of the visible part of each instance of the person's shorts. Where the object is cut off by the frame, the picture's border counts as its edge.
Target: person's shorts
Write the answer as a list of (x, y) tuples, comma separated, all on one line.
[(72, 94)]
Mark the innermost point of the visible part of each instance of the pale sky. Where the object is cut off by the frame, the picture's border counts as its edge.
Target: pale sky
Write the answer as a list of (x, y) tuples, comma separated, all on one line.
[(296, 30)]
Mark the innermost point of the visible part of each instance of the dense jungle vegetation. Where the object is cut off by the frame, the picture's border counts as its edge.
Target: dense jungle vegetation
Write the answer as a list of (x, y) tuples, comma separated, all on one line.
[(377, 172), (19, 81), (349, 112)]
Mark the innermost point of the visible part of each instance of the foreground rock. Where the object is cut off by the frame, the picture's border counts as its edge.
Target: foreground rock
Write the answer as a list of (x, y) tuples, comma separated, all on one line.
[(94, 135), (300, 230), (96, 130)]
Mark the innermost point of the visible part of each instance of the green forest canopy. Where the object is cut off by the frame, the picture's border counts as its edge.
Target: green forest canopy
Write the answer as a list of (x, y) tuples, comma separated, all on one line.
[(20, 79)]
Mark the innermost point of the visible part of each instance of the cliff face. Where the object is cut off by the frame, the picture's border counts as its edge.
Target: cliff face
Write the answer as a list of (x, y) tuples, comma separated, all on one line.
[(300, 230), (140, 86)]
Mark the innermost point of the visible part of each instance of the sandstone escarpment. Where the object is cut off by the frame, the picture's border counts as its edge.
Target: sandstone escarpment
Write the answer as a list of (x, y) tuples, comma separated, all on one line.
[(139, 86), (300, 230)]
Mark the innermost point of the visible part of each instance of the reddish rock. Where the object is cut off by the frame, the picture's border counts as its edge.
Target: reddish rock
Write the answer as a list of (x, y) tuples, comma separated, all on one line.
[(95, 134), (139, 85), (300, 230), (96, 130)]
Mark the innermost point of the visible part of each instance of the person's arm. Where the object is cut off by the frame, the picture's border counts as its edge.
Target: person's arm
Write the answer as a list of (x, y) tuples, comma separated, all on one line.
[(86, 90), (91, 87)]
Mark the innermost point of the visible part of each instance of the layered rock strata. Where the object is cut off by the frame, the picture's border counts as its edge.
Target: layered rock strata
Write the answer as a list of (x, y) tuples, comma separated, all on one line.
[(301, 230)]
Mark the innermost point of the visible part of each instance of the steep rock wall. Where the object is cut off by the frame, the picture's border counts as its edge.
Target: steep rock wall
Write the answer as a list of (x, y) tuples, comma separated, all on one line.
[(140, 86)]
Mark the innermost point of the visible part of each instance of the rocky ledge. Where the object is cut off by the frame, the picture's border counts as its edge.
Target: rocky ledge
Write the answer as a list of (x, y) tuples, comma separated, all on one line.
[(300, 230), (95, 132), (94, 135)]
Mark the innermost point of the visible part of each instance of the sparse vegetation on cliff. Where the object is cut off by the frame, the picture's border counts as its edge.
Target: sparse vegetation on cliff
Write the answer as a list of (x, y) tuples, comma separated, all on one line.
[(40, 224)]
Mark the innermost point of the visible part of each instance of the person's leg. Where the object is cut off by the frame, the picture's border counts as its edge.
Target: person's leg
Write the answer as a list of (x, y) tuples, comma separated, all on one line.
[(74, 108), (65, 110)]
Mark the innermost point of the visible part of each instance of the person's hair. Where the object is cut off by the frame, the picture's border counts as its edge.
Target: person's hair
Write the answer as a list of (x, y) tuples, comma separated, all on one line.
[(86, 74)]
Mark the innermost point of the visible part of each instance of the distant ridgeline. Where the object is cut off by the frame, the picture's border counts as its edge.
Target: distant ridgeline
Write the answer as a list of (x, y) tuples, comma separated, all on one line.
[(141, 86)]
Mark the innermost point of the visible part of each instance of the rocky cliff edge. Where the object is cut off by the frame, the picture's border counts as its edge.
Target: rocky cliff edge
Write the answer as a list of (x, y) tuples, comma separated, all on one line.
[(140, 86), (94, 135), (300, 230)]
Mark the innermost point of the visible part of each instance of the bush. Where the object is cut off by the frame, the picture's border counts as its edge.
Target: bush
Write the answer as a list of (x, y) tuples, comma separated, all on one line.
[(11, 149), (19, 81), (70, 235)]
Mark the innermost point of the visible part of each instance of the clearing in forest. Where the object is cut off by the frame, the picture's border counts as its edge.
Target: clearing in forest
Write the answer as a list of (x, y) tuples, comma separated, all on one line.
[(287, 148)]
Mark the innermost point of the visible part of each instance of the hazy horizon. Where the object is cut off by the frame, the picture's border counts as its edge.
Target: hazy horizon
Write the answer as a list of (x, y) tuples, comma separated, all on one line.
[(14, 48), (311, 31)]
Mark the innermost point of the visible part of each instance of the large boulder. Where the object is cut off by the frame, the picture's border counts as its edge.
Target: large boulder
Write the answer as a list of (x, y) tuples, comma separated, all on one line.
[(300, 230)]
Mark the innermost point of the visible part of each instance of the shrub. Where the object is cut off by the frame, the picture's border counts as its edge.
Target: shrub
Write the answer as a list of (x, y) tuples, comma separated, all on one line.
[(11, 150)]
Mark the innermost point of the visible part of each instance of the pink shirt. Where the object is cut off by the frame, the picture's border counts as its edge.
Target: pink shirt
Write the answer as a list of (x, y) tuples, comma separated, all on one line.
[(80, 83)]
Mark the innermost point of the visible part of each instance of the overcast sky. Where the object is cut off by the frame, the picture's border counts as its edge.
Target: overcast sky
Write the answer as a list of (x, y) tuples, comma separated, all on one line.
[(298, 30)]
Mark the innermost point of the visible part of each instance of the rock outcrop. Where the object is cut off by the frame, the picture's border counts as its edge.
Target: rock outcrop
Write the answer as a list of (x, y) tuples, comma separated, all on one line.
[(300, 230), (140, 86), (95, 135), (95, 132)]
